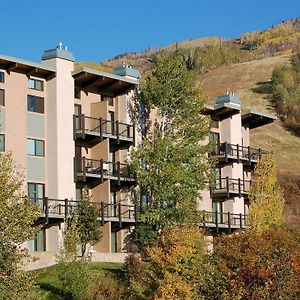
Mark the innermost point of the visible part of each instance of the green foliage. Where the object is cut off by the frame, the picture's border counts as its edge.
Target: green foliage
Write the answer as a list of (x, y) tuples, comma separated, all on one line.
[(75, 278), (255, 266), (87, 224), (266, 197), (17, 217), (286, 93), (171, 163)]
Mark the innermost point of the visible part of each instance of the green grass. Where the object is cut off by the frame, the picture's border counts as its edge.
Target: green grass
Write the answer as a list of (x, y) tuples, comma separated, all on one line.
[(47, 279)]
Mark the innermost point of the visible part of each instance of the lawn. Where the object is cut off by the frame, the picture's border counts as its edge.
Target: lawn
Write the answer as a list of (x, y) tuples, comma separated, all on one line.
[(47, 279)]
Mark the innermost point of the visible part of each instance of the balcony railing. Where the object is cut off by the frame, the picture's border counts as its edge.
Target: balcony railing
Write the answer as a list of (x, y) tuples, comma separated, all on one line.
[(227, 151), (101, 128), (218, 221), (62, 209), (103, 170), (226, 187)]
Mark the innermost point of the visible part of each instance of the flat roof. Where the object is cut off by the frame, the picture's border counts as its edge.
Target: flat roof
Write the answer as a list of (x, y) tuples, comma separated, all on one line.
[(12, 64), (220, 112), (107, 84), (254, 119)]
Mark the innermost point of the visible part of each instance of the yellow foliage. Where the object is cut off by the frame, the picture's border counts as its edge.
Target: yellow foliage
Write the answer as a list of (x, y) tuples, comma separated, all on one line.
[(266, 197)]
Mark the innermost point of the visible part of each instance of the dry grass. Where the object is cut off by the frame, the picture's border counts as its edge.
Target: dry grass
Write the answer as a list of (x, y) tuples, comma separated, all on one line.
[(242, 78)]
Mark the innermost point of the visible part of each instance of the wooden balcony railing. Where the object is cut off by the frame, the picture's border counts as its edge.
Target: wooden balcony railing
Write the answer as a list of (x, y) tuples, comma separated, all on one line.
[(227, 151), (231, 186), (101, 128), (103, 170)]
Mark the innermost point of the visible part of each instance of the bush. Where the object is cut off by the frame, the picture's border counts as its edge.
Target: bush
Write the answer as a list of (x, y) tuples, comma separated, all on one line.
[(74, 277)]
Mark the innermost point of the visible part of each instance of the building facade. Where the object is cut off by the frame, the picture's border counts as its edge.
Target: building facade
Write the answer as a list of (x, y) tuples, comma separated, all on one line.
[(68, 129)]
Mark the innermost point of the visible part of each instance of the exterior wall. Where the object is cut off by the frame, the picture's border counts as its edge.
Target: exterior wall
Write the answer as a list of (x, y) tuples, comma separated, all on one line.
[(60, 144)]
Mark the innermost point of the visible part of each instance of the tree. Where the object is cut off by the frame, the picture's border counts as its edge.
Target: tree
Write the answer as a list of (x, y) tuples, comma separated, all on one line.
[(17, 218), (171, 163), (87, 224), (266, 197), (173, 267)]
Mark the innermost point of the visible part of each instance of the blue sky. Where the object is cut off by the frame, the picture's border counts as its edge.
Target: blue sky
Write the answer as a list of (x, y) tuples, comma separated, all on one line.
[(97, 29)]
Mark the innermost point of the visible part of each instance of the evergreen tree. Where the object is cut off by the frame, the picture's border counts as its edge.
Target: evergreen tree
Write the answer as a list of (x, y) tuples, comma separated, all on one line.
[(266, 197), (87, 224), (171, 162)]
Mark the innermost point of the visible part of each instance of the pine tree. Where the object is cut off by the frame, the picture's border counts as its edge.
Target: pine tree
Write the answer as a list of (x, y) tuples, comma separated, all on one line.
[(266, 197)]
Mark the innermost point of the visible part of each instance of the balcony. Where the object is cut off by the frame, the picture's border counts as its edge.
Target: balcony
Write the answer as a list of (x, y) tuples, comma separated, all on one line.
[(228, 153), (92, 172), (230, 187), (89, 131), (217, 222), (53, 210)]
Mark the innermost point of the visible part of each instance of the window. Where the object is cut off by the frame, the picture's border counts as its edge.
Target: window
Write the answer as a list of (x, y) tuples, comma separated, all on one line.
[(2, 142), (214, 139), (77, 112), (2, 97), (214, 124), (35, 147), (35, 104), (39, 242), (1, 77), (35, 84), (114, 242), (36, 191)]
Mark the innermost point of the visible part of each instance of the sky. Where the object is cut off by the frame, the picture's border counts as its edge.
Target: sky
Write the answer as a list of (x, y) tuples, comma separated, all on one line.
[(95, 30)]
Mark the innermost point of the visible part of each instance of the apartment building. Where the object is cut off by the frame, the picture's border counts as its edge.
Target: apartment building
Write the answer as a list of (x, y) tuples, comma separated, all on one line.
[(227, 201), (68, 129)]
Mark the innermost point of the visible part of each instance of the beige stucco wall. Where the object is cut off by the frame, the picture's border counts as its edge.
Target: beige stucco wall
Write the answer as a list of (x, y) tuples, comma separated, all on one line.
[(60, 134)]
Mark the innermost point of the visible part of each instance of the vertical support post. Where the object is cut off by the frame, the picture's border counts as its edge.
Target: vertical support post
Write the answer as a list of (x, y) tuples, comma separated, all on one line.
[(227, 186), (118, 132), (74, 127), (239, 183), (249, 156), (46, 209), (229, 222), (83, 167), (101, 170), (101, 128), (217, 221), (241, 221), (238, 152), (66, 208), (128, 130), (133, 134), (120, 214), (102, 213), (119, 172), (82, 123), (226, 151), (75, 168)]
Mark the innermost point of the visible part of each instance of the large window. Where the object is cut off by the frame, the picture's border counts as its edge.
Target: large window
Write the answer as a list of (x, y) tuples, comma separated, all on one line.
[(35, 84), (39, 242), (2, 142), (1, 76), (36, 191), (35, 147), (35, 104), (2, 97)]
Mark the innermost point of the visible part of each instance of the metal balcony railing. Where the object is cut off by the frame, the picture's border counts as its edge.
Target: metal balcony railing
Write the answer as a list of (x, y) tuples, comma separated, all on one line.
[(237, 152), (101, 128), (218, 220), (231, 186), (101, 169), (62, 209)]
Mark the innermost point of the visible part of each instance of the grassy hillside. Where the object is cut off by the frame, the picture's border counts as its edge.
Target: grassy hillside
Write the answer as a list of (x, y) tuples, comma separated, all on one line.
[(244, 79)]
